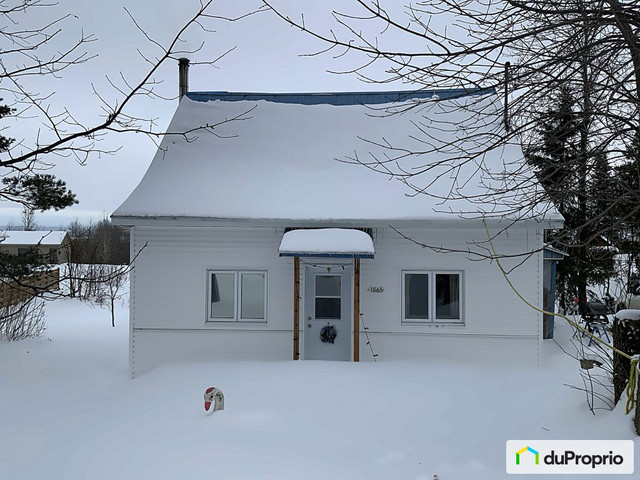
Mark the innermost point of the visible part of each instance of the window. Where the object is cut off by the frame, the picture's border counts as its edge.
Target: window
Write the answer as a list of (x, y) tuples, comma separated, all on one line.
[(416, 296), (252, 296), (237, 296), (447, 296), (430, 297), (328, 299)]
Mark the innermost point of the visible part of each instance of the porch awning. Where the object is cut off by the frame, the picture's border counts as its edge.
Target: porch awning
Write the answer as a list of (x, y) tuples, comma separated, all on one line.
[(550, 253), (327, 242)]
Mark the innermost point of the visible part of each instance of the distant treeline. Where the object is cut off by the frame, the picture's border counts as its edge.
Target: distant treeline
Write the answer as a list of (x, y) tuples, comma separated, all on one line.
[(99, 243)]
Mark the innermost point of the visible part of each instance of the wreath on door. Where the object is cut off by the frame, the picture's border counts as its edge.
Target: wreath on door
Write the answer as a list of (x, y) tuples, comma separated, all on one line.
[(328, 334)]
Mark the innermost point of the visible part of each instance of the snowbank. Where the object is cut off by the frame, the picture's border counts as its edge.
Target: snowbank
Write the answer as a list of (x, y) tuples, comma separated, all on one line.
[(69, 411)]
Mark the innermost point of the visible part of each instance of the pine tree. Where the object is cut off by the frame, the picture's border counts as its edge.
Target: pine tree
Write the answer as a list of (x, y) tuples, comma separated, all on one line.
[(626, 188), (35, 192), (555, 156), (578, 181)]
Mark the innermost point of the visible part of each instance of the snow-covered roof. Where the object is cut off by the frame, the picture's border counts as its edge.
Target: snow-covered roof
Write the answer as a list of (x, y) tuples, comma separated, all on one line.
[(293, 157), (36, 237), (327, 242), (628, 314)]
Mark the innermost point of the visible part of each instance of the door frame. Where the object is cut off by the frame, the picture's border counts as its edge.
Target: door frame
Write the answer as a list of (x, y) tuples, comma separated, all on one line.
[(347, 273)]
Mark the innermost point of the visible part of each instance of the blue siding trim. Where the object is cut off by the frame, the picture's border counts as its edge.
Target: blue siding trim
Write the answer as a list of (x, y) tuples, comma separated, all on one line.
[(339, 98), (326, 255), (553, 288)]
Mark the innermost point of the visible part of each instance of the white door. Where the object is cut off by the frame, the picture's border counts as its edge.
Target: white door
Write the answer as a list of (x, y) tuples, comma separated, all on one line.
[(327, 313)]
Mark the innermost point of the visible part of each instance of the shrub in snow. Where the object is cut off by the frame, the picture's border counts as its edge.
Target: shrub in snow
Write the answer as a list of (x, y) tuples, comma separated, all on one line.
[(22, 320), (98, 283)]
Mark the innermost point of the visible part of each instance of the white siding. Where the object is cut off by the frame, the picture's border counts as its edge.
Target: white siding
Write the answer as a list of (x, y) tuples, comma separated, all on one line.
[(171, 274), (169, 295), (168, 302), (151, 348), (471, 349), (489, 305)]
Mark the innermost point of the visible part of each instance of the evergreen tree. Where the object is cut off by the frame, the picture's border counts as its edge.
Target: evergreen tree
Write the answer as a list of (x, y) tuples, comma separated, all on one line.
[(578, 180), (35, 192), (555, 155), (626, 189)]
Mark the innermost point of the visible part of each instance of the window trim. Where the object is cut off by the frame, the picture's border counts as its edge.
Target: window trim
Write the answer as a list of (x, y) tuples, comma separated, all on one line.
[(237, 290), (431, 299)]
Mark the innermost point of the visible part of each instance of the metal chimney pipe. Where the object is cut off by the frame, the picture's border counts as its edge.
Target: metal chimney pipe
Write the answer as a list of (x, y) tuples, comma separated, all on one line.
[(507, 79), (183, 77)]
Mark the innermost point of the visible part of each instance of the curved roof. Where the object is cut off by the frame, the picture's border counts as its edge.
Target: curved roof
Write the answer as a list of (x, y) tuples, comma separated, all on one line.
[(327, 242), (339, 98), (334, 156)]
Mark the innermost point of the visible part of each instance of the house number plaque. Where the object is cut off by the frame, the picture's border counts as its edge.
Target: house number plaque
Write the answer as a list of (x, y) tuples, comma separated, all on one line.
[(375, 289)]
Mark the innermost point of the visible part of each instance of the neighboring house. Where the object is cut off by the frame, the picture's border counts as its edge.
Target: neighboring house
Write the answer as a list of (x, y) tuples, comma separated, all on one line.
[(257, 242), (53, 245)]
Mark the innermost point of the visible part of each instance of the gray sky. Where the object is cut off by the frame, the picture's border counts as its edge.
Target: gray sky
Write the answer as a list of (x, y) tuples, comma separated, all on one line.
[(267, 58)]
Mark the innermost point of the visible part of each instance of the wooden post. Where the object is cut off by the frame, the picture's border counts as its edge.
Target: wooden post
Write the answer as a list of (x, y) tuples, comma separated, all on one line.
[(626, 337), (356, 310), (637, 419), (296, 308)]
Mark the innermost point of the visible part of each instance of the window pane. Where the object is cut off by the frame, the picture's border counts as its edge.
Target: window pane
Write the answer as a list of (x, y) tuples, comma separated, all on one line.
[(328, 308), (328, 285), (416, 296), (222, 295), (252, 296), (447, 296)]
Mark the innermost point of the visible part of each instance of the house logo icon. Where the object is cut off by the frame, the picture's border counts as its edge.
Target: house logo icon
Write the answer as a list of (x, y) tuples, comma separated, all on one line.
[(525, 449)]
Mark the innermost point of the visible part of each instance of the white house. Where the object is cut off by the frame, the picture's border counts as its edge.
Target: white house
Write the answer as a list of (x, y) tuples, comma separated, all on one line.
[(267, 240)]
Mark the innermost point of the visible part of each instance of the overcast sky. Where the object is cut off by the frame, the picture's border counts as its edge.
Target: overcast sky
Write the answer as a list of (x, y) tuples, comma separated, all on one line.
[(267, 58)]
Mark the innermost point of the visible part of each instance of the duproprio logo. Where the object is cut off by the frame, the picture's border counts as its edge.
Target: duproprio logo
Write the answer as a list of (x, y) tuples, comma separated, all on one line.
[(570, 456), (527, 449)]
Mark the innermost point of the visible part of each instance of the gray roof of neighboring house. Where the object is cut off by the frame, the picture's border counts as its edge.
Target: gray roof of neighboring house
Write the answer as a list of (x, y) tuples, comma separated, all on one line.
[(36, 237)]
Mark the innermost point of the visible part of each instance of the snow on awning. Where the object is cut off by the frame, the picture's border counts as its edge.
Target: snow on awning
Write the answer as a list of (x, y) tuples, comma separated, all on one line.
[(327, 242)]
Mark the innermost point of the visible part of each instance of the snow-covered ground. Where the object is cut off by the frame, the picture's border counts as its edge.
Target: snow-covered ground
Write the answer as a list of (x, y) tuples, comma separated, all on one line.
[(68, 410)]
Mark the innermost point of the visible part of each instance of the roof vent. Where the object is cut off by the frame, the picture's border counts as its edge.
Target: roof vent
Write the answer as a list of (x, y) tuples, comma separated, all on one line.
[(183, 77)]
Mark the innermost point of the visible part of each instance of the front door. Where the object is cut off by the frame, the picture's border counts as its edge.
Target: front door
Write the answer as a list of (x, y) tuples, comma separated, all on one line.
[(327, 312)]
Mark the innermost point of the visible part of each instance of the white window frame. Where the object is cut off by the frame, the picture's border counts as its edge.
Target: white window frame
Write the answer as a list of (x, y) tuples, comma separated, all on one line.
[(431, 298), (237, 301)]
